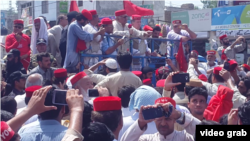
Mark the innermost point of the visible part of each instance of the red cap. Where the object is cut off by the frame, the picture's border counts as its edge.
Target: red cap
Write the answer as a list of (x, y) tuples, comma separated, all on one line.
[(211, 52), (30, 90), (233, 64), (130, 26), (6, 132), (87, 14), (99, 24), (93, 12), (107, 103), (137, 73), (176, 22), (106, 21), (163, 69), (60, 73), (246, 66), (223, 55), (147, 81), (136, 17), (18, 22), (217, 70), (160, 83), (120, 12), (203, 77), (195, 52), (223, 36), (77, 77), (164, 100), (147, 28), (37, 20)]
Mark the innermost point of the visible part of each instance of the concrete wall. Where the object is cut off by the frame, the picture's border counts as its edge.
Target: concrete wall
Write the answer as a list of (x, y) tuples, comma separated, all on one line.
[(52, 10)]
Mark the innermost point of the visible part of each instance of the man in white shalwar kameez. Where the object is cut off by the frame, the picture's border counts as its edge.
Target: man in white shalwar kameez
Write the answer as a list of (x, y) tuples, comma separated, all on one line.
[(164, 125), (39, 30), (93, 47), (121, 28)]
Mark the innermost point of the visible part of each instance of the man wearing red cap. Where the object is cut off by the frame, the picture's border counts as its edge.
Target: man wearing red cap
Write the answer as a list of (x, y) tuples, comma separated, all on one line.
[(82, 82), (180, 31), (164, 125), (59, 80), (93, 47), (211, 64), (231, 49), (140, 46), (107, 110), (216, 80), (121, 28), (108, 45), (76, 32), (20, 41)]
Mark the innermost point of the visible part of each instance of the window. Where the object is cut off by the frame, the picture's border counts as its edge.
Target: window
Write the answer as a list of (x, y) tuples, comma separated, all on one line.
[(30, 11), (45, 6), (80, 3)]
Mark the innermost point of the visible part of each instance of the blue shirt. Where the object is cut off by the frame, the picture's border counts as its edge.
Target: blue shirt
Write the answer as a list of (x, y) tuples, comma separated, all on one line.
[(75, 32), (43, 130), (106, 44)]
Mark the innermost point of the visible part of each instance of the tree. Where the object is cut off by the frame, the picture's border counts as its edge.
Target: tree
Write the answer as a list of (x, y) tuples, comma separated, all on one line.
[(209, 4), (196, 7)]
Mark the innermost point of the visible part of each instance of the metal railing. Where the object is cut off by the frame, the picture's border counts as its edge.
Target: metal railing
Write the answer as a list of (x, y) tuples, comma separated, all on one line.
[(151, 64)]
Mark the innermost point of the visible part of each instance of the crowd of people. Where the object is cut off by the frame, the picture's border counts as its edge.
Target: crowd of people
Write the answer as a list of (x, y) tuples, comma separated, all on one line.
[(218, 92)]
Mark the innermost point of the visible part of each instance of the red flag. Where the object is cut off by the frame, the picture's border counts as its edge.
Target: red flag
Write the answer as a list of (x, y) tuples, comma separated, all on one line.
[(132, 9), (73, 6), (180, 58)]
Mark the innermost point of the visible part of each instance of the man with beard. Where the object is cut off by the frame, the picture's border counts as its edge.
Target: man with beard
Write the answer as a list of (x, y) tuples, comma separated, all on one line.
[(76, 32), (231, 50), (41, 47), (44, 67), (20, 41), (82, 82), (197, 102), (13, 63), (17, 81), (244, 86), (211, 64)]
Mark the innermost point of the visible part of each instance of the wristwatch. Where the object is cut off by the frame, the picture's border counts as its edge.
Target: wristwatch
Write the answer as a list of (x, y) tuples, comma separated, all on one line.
[(181, 119)]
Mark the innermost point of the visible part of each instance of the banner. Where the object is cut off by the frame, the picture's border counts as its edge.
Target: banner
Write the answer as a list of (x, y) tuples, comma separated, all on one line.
[(197, 20), (233, 33), (63, 6), (24, 13), (229, 18)]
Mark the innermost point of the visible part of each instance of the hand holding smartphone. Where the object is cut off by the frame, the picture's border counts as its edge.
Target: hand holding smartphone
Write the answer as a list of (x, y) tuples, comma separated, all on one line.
[(180, 77), (158, 112), (93, 93), (59, 97)]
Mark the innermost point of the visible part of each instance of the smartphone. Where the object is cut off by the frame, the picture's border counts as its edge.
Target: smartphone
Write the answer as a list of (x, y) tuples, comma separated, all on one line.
[(226, 66), (93, 93), (197, 61), (59, 97), (181, 77), (170, 110), (153, 113)]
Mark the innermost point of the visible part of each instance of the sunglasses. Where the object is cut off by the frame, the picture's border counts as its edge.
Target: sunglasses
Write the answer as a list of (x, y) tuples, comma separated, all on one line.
[(19, 27)]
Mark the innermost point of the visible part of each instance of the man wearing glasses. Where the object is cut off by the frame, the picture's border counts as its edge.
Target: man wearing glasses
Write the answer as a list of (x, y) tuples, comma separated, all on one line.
[(180, 31), (20, 41)]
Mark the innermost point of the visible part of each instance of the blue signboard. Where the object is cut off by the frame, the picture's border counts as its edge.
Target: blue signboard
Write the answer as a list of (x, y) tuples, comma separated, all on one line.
[(2, 19), (227, 18)]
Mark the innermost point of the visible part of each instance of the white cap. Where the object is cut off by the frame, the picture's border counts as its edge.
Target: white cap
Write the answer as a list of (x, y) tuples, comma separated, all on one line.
[(111, 63), (68, 83)]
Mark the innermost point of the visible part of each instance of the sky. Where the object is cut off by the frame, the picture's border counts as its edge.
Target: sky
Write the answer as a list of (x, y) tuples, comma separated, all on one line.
[(4, 4), (178, 3)]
